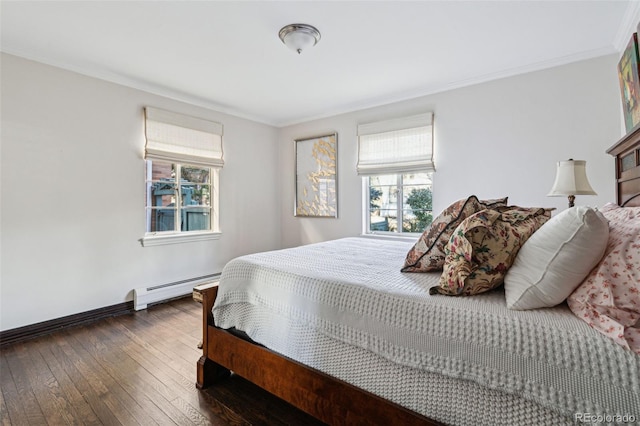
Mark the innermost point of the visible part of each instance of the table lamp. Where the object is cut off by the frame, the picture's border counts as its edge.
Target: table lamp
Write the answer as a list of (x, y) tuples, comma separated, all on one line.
[(571, 180)]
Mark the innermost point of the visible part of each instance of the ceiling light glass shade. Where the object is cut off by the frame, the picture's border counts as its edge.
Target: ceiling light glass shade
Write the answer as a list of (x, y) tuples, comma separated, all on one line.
[(298, 37), (571, 179)]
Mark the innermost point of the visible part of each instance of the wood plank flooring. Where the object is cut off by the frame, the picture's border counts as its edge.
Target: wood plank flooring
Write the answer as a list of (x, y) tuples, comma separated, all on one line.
[(136, 369)]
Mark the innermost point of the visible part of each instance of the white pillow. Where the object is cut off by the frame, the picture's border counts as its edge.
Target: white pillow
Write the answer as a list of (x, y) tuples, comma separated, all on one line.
[(556, 259)]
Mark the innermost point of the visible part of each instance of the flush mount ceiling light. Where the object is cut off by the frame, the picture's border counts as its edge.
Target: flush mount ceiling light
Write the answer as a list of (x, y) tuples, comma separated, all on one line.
[(299, 36)]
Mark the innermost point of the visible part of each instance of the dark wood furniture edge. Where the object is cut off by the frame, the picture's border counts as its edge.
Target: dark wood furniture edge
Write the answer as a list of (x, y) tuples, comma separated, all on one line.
[(330, 400), (625, 142), (208, 371), (627, 181)]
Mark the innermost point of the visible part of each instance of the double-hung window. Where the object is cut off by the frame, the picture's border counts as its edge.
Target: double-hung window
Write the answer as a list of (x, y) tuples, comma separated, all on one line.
[(395, 160), (183, 157)]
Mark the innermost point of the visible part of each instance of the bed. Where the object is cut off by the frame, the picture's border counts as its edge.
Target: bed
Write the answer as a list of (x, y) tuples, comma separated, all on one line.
[(466, 360)]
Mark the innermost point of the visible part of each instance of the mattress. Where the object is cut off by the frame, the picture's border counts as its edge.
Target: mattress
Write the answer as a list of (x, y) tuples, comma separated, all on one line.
[(345, 308)]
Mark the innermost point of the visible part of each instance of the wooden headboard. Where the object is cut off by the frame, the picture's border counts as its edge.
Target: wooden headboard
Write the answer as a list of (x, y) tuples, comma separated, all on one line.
[(627, 154)]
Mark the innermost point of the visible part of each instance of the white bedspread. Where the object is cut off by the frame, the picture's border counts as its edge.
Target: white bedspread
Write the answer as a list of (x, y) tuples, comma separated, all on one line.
[(351, 290)]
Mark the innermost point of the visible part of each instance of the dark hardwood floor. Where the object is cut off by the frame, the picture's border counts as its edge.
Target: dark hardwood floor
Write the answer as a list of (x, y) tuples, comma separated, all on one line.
[(130, 369)]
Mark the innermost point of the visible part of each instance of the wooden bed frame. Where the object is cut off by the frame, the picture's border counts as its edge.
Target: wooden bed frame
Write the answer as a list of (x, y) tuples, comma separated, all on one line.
[(324, 397), (327, 398)]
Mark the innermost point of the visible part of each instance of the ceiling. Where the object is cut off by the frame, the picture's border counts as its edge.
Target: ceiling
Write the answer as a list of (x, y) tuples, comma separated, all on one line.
[(226, 55)]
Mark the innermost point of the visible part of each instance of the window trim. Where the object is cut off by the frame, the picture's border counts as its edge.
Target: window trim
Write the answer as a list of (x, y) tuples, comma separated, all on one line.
[(158, 239), (392, 236), (151, 239)]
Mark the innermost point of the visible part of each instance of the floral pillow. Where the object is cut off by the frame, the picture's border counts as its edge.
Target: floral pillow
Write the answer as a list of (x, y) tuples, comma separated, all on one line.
[(484, 246), (609, 298), (427, 254)]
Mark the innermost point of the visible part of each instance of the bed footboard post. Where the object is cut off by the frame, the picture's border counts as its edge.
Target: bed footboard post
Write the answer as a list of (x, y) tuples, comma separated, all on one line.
[(207, 370)]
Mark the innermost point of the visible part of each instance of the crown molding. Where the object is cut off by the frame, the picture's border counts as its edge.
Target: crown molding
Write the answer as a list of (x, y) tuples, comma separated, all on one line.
[(628, 26), (158, 90), (145, 86), (426, 91)]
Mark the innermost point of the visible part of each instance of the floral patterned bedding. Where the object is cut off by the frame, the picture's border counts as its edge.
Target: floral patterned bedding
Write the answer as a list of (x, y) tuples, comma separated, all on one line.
[(609, 299)]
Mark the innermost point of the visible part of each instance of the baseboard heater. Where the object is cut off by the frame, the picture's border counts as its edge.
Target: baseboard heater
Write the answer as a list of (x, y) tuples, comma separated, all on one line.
[(148, 295)]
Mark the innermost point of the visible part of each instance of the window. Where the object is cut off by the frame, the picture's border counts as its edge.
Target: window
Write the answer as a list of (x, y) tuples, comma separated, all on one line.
[(395, 159), (399, 202), (183, 158), (179, 197)]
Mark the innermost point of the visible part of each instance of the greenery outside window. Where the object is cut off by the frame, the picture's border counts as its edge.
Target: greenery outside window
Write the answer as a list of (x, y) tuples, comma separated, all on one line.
[(399, 203)]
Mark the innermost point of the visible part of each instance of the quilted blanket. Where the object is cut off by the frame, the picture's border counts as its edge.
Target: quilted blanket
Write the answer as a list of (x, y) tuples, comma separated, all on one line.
[(351, 290)]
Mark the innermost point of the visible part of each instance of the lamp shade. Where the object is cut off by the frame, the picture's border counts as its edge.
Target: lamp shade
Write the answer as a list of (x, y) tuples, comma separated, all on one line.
[(571, 179)]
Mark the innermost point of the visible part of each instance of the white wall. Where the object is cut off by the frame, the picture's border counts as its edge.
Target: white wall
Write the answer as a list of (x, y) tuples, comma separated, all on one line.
[(72, 206), (72, 192), (493, 139)]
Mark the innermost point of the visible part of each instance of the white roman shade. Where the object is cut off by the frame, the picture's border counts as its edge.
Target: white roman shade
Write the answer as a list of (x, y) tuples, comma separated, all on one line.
[(401, 145), (182, 139)]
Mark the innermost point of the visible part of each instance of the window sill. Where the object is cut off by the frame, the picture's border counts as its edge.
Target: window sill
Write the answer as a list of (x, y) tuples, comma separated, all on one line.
[(405, 238), (178, 238)]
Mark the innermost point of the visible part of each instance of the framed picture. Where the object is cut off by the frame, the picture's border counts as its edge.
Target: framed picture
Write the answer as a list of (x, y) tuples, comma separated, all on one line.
[(316, 176), (630, 84)]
